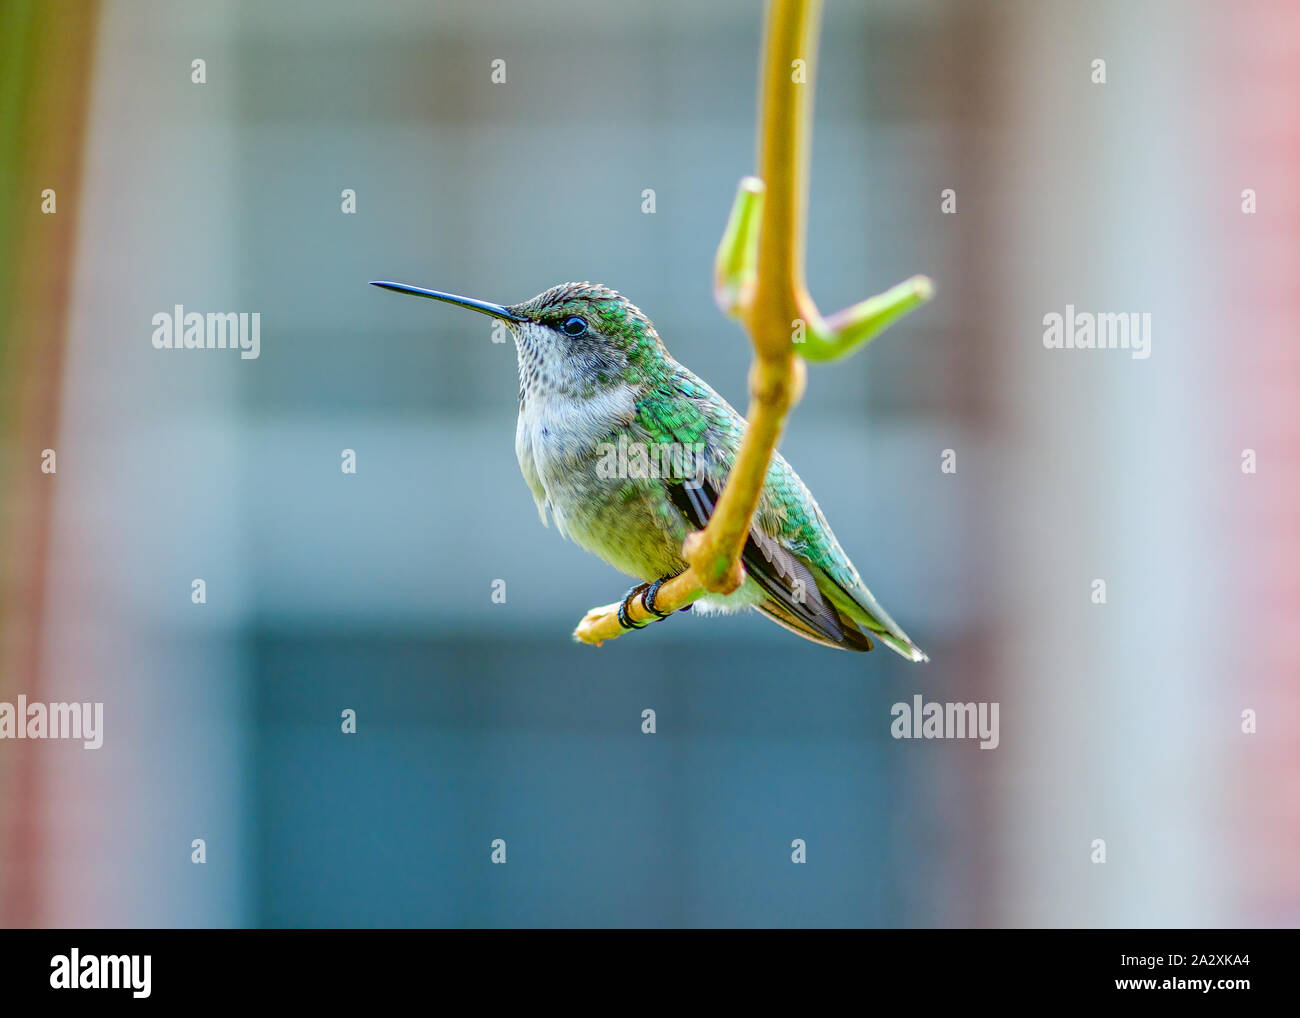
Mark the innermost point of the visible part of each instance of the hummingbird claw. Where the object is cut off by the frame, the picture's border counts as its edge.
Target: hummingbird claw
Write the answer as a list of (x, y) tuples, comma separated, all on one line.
[(649, 594), (624, 619)]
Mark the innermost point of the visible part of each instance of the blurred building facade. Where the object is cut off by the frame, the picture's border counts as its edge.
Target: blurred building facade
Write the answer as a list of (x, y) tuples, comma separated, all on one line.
[(479, 720)]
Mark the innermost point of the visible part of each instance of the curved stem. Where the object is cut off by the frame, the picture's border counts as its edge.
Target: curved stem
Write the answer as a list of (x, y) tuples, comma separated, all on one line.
[(759, 278)]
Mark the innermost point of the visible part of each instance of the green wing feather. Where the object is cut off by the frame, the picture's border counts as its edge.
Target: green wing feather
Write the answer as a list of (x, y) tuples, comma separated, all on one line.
[(790, 536)]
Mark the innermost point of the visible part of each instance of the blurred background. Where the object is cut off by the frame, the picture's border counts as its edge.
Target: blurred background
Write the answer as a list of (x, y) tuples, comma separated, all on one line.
[(477, 720)]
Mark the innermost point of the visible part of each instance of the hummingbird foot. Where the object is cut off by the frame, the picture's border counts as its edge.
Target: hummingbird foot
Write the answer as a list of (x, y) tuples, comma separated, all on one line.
[(648, 595), (624, 619), (647, 592)]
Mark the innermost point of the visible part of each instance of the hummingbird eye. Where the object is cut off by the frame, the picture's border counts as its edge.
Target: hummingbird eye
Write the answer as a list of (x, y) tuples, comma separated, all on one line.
[(574, 326)]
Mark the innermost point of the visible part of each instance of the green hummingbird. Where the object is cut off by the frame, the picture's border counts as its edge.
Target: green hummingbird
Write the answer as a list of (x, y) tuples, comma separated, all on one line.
[(628, 451)]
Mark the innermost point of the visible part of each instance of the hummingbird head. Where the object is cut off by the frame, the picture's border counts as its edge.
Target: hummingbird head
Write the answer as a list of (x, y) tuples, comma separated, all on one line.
[(571, 338)]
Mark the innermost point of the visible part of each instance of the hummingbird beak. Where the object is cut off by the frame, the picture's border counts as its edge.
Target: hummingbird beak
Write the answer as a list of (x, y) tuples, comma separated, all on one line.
[(481, 306)]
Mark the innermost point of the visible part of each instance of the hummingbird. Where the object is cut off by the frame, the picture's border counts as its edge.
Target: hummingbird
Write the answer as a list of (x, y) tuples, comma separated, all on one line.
[(594, 376)]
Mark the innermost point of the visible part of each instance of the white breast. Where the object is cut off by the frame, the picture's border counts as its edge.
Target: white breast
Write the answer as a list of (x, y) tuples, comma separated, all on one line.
[(558, 436)]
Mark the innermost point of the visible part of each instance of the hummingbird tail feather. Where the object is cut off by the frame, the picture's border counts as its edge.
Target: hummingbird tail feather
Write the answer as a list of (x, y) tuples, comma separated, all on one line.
[(856, 603), (793, 594), (851, 637), (903, 646)]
